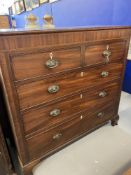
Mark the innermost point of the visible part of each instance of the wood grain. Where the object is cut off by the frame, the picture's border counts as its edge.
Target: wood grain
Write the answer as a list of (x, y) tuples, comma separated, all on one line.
[(69, 84), (23, 68), (93, 54), (26, 81), (44, 142), (35, 120), (34, 39)]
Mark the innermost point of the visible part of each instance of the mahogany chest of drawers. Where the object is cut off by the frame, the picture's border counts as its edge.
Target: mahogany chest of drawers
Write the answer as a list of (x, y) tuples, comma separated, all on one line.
[(60, 85)]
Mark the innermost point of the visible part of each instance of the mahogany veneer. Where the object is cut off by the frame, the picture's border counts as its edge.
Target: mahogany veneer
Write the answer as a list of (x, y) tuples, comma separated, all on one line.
[(68, 84), (60, 85)]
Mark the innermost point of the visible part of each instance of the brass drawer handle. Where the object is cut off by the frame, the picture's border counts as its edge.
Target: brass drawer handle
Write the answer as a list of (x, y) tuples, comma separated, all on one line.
[(53, 89), (107, 53), (51, 63), (57, 136), (104, 74), (100, 114), (55, 112), (102, 94)]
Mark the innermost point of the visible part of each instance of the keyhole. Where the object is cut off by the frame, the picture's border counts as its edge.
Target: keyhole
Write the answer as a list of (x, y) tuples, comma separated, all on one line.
[(81, 117), (81, 96), (82, 74), (107, 47), (51, 55)]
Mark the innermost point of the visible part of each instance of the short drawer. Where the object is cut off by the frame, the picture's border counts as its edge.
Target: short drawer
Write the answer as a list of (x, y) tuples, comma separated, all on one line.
[(104, 52), (46, 90), (37, 64), (48, 141), (46, 117)]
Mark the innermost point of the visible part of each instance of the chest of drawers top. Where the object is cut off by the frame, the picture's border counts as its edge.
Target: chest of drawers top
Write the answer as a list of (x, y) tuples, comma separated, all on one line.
[(21, 38)]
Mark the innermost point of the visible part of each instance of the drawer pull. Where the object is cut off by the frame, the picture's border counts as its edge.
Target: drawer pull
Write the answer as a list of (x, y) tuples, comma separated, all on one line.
[(102, 94), (107, 53), (57, 136), (53, 89), (100, 114), (104, 74), (55, 112), (51, 63)]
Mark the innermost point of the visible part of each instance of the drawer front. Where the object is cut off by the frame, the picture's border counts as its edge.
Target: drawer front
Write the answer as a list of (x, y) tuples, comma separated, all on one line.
[(51, 115), (104, 52), (46, 90), (48, 141), (26, 66)]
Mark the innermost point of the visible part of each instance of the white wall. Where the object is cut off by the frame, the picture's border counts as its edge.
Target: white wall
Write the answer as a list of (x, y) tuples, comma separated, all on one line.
[(4, 4)]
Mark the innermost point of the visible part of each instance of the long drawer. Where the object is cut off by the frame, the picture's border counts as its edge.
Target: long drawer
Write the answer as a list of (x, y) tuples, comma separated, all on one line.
[(50, 140), (48, 116), (42, 91)]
